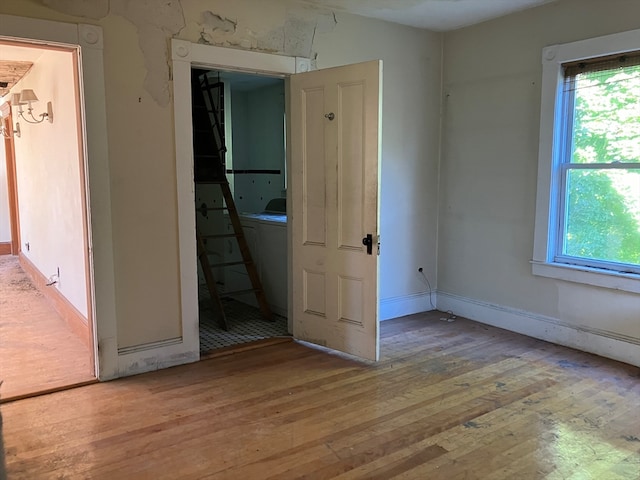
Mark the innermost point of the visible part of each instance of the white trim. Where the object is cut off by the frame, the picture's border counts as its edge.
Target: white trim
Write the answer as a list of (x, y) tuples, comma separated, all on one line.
[(601, 342), (89, 39), (573, 273), (154, 356), (395, 307), (209, 56), (184, 55), (149, 346), (546, 219)]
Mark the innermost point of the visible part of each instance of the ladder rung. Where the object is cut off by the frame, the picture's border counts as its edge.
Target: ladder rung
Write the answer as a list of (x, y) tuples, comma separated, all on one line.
[(209, 209), (228, 264), (221, 235), (238, 292)]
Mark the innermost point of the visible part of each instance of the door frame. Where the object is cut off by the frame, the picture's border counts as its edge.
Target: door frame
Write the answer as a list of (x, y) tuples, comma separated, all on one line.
[(12, 186), (88, 39), (186, 55)]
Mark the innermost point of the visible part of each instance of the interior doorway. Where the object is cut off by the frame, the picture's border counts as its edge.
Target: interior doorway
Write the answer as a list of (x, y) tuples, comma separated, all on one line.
[(240, 126), (46, 318)]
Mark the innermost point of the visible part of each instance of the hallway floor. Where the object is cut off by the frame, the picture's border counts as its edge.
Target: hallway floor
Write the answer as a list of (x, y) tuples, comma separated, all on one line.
[(38, 352)]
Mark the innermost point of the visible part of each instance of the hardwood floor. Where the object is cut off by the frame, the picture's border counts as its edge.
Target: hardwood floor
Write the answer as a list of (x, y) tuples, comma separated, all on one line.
[(447, 401), (38, 351)]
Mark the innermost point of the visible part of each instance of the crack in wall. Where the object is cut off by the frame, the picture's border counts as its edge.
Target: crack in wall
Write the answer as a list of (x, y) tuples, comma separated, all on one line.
[(155, 20)]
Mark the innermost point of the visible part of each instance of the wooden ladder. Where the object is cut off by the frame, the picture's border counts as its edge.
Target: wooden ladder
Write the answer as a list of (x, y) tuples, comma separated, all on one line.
[(247, 260), (210, 168)]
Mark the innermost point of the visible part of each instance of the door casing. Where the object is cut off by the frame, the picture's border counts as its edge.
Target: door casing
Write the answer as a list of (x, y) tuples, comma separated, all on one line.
[(186, 55)]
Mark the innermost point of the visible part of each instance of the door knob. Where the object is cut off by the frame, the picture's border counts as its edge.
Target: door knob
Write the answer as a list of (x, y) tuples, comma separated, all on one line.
[(368, 242)]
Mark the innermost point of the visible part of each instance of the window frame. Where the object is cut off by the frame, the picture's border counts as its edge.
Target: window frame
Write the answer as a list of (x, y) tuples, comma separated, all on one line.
[(552, 146)]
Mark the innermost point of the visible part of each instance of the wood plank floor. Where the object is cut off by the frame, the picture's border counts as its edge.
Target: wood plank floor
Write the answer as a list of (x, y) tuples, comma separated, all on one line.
[(448, 401), (38, 352)]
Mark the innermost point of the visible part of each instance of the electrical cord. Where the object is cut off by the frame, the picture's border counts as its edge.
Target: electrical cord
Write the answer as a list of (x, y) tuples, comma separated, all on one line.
[(452, 316), (420, 270)]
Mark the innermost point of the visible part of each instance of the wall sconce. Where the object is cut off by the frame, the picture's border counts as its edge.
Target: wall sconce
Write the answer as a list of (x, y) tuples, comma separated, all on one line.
[(27, 97), (7, 133)]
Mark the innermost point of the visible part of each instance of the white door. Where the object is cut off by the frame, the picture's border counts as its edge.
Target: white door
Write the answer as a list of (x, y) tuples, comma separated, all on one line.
[(335, 149)]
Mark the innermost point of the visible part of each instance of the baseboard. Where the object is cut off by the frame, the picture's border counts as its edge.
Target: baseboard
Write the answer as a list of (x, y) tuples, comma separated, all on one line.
[(395, 307), (5, 248), (601, 342), (154, 356), (70, 314)]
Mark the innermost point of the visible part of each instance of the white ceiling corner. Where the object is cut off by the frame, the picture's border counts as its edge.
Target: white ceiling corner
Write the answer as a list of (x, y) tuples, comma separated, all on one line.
[(436, 15)]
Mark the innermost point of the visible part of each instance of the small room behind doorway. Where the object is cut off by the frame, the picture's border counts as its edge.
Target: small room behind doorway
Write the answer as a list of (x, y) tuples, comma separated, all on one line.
[(239, 132)]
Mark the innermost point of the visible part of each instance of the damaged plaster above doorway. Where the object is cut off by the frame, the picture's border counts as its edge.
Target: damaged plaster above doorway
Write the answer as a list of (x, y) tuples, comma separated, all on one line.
[(292, 33), (294, 38)]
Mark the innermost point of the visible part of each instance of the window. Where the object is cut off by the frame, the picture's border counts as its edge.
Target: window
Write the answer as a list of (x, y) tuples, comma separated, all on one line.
[(588, 207)]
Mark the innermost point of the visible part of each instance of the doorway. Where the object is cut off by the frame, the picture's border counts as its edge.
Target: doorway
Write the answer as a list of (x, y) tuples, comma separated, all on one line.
[(325, 199), (47, 322), (247, 136)]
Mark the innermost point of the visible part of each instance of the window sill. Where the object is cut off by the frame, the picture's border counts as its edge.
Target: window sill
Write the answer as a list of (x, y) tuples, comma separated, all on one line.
[(627, 282)]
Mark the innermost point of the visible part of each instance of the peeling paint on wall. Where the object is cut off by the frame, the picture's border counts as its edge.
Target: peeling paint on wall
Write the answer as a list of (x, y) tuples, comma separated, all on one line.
[(216, 22), (95, 9), (295, 37), (155, 20), (158, 20), (300, 32)]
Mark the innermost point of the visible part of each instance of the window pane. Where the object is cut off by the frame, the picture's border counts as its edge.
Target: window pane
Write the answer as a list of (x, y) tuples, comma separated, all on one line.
[(606, 124), (602, 217)]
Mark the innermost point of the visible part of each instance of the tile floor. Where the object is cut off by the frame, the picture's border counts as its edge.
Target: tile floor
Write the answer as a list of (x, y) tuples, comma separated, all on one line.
[(245, 325)]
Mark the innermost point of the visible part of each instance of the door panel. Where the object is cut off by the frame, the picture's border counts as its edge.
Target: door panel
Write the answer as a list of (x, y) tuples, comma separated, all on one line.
[(335, 127), (351, 165), (313, 170)]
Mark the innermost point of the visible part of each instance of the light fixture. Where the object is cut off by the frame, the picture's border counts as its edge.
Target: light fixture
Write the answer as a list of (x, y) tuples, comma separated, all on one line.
[(6, 133), (27, 97)]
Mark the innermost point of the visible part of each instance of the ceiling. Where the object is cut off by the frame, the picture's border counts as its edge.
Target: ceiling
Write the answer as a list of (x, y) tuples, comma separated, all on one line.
[(436, 15)]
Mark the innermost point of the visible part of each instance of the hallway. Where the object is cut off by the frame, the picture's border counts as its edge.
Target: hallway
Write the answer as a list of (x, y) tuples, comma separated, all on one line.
[(38, 352)]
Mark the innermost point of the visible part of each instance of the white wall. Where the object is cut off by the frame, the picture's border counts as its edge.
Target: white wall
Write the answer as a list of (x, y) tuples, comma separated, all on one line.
[(410, 149), (5, 220), (49, 181), (258, 142), (492, 75)]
